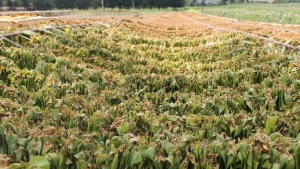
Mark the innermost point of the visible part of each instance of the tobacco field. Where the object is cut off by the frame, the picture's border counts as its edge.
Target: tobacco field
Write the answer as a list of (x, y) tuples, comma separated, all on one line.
[(150, 92), (287, 13)]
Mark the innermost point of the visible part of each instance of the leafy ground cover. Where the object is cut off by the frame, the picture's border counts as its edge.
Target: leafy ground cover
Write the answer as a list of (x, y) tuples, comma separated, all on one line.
[(271, 13), (148, 92)]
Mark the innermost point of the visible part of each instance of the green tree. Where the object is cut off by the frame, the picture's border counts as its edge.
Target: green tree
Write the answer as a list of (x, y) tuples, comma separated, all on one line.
[(26, 4), (192, 3), (202, 3), (176, 3), (111, 4), (95, 4), (127, 4), (83, 4), (48, 4), (145, 4), (37, 4), (1, 5), (43, 4), (59, 4), (152, 3), (223, 2), (137, 4), (165, 4), (18, 3), (160, 3), (64, 4), (12, 4)]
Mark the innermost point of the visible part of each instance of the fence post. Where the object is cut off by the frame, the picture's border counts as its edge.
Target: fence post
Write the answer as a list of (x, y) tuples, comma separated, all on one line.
[(280, 18), (270, 18), (291, 17)]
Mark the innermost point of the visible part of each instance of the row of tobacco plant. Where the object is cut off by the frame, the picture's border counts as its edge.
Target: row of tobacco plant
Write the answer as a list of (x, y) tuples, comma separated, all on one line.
[(111, 97)]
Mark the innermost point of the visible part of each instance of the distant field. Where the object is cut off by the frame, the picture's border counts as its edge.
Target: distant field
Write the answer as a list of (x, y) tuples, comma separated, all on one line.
[(270, 13)]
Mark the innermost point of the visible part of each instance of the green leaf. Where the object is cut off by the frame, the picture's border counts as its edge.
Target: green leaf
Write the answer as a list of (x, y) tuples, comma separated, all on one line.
[(115, 141), (250, 159), (221, 108), (230, 159), (22, 142), (249, 104), (243, 147), (16, 166), (1, 129), (57, 160), (135, 158), (2, 140), (297, 156), (81, 164), (127, 159), (202, 134), (170, 159), (100, 159), (147, 152), (262, 160), (168, 147), (154, 128), (68, 161), (183, 145), (271, 124), (115, 162), (276, 166), (39, 162), (125, 128), (275, 154), (291, 162), (35, 145), (30, 103), (79, 155), (119, 130), (18, 155), (39, 66), (55, 114), (11, 139)]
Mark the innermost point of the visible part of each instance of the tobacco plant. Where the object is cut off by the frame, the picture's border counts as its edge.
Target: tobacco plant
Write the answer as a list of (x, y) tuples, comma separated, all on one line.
[(115, 97)]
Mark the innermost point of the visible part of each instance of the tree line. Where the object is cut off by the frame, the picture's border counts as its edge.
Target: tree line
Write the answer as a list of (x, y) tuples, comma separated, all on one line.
[(88, 4)]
